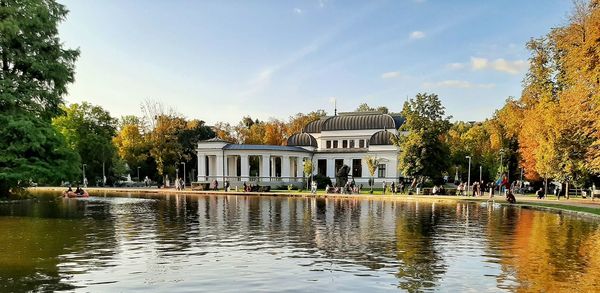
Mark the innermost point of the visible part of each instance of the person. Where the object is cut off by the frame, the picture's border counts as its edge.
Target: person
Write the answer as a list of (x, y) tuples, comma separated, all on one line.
[(510, 197), (539, 194), (77, 190), (177, 184), (384, 187), (245, 187), (393, 187), (401, 186), (313, 187), (434, 191), (226, 185), (182, 184), (215, 185)]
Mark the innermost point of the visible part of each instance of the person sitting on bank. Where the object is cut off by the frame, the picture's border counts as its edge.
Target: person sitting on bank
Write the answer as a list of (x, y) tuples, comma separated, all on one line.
[(510, 197), (539, 194)]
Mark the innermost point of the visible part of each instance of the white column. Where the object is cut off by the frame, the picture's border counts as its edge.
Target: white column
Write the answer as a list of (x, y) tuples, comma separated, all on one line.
[(219, 168), (244, 167), (285, 168), (264, 170), (299, 167), (331, 169), (201, 167)]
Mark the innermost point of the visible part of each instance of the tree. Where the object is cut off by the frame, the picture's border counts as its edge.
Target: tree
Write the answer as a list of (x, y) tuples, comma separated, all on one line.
[(35, 70), (364, 107), (308, 170), (423, 151), (89, 131), (299, 121), (372, 164)]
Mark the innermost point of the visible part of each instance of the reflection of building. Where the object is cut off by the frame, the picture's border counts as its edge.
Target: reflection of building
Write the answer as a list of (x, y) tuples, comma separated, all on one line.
[(330, 143)]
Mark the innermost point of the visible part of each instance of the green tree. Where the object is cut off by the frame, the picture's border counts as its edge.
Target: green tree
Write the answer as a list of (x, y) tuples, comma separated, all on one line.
[(364, 107), (423, 150), (89, 131), (35, 70)]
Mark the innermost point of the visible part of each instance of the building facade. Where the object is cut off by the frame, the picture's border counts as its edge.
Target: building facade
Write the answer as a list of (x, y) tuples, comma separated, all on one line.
[(330, 143)]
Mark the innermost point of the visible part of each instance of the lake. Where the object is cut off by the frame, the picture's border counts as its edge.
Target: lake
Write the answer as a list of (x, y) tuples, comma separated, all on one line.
[(190, 243)]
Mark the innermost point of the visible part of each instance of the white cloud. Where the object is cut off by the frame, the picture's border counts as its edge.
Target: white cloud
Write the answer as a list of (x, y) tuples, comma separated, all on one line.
[(460, 84), (391, 74), (479, 63), (417, 35), (512, 67), (455, 65), (501, 65), (322, 3), (298, 11)]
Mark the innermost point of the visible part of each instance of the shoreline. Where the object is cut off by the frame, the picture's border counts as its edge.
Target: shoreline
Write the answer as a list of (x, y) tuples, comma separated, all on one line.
[(578, 206)]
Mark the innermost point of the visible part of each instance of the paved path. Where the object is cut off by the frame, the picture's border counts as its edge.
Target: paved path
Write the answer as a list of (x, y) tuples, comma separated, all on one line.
[(579, 202)]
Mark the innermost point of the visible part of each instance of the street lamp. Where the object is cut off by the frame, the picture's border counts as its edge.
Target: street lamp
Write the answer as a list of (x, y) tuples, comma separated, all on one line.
[(480, 174), (183, 187), (469, 176), (83, 179), (138, 168)]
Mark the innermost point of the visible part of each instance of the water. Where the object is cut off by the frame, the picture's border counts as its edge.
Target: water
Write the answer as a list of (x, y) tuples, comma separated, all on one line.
[(178, 243)]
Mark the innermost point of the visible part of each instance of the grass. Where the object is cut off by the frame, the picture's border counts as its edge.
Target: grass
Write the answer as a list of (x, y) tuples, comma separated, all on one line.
[(590, 210)]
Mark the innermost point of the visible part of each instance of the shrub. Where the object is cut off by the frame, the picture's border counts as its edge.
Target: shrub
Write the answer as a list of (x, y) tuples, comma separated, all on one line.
[(322, 181)]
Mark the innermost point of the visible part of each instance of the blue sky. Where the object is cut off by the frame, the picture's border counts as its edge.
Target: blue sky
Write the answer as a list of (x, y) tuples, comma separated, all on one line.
[(221, 60)]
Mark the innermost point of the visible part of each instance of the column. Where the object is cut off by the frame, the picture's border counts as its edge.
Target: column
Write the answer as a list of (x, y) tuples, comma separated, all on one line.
[(331, 169), (201, 167), (285, 168), (300, 168), (219, 168), (264, 170), (245, 167)]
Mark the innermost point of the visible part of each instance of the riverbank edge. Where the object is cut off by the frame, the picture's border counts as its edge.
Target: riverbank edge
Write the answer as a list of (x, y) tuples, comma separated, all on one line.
[(522, 201)]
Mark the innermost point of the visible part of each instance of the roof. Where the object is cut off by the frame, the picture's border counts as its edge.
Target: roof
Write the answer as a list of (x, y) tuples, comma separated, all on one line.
[(261, 147), (302, 139), (214, 139), (383, 137), (355, 121)]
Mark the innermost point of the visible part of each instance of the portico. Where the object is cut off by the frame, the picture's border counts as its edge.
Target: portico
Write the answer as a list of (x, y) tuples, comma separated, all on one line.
[(238, 163)]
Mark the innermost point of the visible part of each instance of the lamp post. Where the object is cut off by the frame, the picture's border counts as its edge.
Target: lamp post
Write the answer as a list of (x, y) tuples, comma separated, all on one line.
[(480, 174), (183, 163), (469, 176), (138, 169), (83, 175)]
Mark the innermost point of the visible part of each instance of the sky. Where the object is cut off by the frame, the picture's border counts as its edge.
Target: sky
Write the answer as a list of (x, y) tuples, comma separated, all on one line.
[(222, 60)]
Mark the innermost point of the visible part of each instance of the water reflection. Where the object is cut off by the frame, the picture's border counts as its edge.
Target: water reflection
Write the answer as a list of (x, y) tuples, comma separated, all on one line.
[(227, 243)]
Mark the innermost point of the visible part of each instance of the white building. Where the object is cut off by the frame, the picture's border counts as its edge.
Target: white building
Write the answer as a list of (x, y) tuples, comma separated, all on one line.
[(330, 143)]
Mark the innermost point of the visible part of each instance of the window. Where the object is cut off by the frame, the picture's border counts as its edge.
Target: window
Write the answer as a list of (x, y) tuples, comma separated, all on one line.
[(335, 144), (361, 143), (328, 144), (352, 144), (366, 143), (356, 168), (344, 144), (322, 167), (338, 165), (381, 171)]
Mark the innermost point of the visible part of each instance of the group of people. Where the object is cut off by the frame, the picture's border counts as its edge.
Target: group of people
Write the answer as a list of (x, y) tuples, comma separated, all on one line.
[(78, 192), (179, 184)]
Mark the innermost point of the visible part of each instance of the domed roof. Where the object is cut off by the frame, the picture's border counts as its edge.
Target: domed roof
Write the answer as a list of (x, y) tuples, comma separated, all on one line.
[(383, 137), (314, 126), (302, 139)]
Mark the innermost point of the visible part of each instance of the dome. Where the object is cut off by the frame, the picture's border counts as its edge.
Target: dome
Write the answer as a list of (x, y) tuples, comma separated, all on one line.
[(302, 139), (314, 126), (360, 122), (383, 137)]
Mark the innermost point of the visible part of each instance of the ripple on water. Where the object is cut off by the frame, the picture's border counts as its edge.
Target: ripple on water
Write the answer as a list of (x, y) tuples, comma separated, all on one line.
[(228, 243)]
